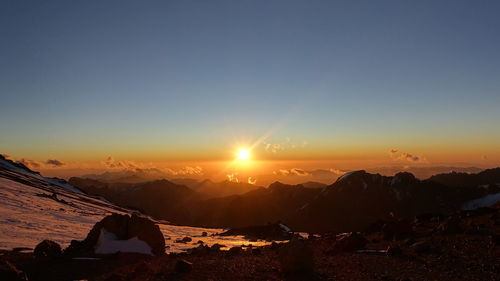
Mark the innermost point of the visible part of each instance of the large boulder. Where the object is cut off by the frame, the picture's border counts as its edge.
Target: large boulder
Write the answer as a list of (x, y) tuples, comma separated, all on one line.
[(147, 231), (121, 233)]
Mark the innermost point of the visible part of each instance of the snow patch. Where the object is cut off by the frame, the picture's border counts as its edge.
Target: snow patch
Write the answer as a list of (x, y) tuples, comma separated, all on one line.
[(485, 201), (108, 243), (345, 175), (285, 228)]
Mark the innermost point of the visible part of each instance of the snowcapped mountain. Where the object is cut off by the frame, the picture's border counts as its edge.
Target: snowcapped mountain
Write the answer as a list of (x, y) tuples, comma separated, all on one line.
[(18, 171)]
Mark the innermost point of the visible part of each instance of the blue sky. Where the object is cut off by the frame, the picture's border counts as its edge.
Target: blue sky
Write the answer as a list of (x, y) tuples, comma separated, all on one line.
[(109, 77)]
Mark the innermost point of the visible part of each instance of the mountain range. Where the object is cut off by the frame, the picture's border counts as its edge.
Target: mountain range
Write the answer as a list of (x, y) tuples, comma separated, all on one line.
[(352, 202)]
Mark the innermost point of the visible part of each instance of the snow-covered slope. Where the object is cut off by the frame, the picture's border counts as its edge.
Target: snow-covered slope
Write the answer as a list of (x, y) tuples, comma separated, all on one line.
[(18, 170), (34, 208)]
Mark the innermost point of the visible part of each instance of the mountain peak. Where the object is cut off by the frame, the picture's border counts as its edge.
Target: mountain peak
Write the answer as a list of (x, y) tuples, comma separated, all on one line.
[(352, 175), (403, 178)]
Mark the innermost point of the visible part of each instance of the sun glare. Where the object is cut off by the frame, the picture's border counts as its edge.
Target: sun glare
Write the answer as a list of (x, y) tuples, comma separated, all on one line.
[(243, 154)]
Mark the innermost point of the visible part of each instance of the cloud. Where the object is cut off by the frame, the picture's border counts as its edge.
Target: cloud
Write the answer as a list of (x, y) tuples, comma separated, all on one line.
[(393, 152), (286, 145), (252, 181), (405, 156), (337, 171), (32, 164), (233, 177), (54, 162), (291, 172), (410, 157), (111, 163)]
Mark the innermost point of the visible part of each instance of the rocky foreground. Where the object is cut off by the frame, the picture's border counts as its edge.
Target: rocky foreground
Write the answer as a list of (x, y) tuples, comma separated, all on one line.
[(463, 246)]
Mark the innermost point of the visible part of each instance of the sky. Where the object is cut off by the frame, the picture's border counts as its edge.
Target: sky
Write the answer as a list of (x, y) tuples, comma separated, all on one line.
[(336, 82)]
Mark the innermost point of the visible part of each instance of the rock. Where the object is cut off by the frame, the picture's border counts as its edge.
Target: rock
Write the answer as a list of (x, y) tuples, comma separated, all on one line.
[(256, 251), (200, 242), (201, 250), (184, 240), (235, 251), (349, 243), (9, 272), (275, 246), (123, 227), (421, 247), (183, 266), (396, 230), (276, 231), (394, 251), (296, 256), (147, 231), (217, 247), (47, 249), (204, 234)]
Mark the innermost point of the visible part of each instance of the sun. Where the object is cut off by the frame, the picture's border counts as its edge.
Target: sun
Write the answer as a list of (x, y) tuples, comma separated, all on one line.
[(243, 154)]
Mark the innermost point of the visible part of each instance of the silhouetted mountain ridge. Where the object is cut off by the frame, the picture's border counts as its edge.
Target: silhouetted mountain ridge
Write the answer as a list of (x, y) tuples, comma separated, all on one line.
[(353, 201)]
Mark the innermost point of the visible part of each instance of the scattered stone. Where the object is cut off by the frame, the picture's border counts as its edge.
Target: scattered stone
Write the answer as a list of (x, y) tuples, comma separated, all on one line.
[(184, 240), (217, 247), (349, 243), (47, 249), (183, 266), (296, 256), (235, 251), (201, 249), (204, 234), (200, 242)]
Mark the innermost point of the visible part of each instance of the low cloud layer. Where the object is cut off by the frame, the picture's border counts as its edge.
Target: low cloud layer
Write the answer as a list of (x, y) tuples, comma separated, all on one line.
[(113, 164)]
